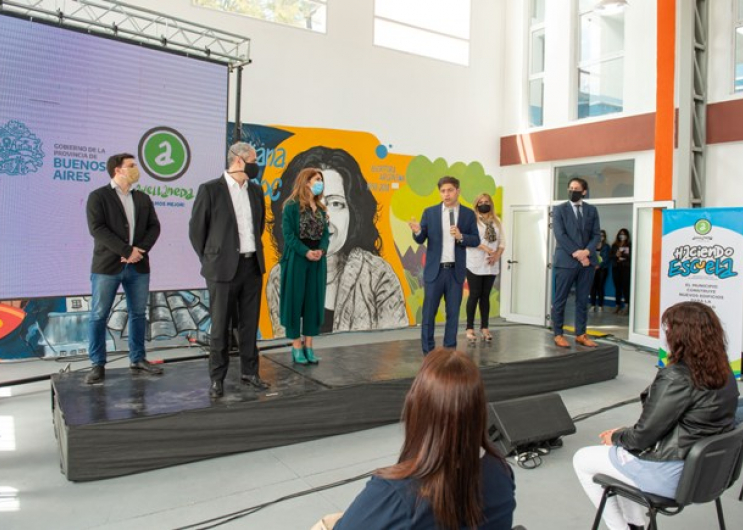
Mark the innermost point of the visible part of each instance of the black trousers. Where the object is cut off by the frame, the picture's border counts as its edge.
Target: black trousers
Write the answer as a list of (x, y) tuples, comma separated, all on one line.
[(480, 287), (621, 277), (240, 299), (599, 286)]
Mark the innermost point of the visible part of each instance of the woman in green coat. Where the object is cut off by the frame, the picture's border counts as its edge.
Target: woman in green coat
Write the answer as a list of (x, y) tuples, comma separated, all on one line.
[(303, 263)]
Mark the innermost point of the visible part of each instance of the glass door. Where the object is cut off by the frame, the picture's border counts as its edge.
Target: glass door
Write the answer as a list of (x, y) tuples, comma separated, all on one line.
[(646, 268)]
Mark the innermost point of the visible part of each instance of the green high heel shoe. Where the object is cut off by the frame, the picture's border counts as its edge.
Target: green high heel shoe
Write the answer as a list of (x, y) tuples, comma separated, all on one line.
[(298, 356), (309, 354)]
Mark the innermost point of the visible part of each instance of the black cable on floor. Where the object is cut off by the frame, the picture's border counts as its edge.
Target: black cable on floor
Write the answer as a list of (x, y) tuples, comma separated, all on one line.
[(586, 415), (223, 519)]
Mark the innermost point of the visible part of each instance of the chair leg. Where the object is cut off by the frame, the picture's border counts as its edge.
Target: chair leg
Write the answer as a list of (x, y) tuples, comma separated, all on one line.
[(600, 511), (720, 517), (740, 497), (653, 522)]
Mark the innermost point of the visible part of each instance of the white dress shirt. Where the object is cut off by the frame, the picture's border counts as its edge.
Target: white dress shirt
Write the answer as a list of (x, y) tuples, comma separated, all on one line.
[(127, 201), (575, 206), (477, 259), (448, 241), (243, 213)]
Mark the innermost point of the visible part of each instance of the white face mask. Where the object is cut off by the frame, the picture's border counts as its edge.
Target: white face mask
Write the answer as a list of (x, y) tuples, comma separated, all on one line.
[(664, 343)]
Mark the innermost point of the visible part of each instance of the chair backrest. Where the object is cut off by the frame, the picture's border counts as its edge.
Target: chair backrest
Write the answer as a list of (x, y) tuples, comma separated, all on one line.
[(711, 467)]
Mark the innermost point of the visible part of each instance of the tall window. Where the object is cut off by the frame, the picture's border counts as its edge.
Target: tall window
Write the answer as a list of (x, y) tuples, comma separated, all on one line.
[(536, 63), (600, 61), (738, 27), (433, 28), (307, 14)]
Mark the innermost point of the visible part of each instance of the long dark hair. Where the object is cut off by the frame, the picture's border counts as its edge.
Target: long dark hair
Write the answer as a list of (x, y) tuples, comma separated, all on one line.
[(624, 243), (696, 338), (362, 206), (602, 243), (445, 419)]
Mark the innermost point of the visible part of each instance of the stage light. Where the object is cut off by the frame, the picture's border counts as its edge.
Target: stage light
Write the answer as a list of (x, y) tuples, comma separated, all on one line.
[(610, 7)]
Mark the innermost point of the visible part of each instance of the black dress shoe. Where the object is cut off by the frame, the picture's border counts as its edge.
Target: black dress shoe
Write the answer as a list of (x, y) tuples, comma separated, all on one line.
[(145, 366), (217, 389), (96, 375), (255, 381)]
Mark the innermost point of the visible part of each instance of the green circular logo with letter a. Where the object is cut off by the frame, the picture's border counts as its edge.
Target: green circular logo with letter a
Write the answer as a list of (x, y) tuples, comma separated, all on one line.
[(702, 227), (164, 153)]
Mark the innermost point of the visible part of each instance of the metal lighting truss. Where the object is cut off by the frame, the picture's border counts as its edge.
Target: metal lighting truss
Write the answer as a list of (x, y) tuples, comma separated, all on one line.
[(692, 116), (699, 104), (117, 19)]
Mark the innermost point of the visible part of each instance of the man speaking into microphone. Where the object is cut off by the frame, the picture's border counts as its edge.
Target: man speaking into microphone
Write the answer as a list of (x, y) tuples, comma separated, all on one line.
[(449, 228)]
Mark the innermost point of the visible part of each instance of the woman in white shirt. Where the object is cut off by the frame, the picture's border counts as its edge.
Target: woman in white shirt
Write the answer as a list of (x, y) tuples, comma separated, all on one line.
[(483, 265)]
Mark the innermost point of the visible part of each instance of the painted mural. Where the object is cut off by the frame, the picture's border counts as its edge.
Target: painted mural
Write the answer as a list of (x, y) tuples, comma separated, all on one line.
[(375, 268)]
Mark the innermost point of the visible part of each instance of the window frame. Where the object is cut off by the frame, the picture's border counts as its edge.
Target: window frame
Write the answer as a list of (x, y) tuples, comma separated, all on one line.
[(737, 23), (326, 3), (584, 66), (534, 29), (557, 192)]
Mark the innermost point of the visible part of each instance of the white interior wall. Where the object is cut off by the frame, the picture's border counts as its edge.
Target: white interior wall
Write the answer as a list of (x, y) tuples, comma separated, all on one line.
[(340, 80), (724, 182)]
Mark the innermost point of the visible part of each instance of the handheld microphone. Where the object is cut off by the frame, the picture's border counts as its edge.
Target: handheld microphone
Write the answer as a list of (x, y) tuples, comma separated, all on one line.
[(451, 217)]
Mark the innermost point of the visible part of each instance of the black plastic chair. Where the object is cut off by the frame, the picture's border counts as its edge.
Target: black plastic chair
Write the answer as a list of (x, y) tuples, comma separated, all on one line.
[(711, 467)]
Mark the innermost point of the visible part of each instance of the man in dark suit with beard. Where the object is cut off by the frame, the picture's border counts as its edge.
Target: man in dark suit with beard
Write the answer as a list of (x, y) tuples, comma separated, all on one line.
[(227, 223)]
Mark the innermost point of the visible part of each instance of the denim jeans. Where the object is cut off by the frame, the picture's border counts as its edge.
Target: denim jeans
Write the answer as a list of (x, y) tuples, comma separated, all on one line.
[(136, 288), (618, 511)]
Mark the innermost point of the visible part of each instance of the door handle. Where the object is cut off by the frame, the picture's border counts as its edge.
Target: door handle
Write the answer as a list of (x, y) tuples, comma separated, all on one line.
[(510, 261)]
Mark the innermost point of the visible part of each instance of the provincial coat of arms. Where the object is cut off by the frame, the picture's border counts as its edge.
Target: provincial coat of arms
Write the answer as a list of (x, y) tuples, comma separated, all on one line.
[(20, 149)]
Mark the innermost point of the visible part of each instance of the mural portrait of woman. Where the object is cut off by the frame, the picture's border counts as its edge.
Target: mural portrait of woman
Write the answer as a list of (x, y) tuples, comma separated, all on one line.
[(363, 291)]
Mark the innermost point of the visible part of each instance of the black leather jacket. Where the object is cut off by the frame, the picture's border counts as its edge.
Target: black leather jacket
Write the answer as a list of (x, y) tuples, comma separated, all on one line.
[(675, 414)]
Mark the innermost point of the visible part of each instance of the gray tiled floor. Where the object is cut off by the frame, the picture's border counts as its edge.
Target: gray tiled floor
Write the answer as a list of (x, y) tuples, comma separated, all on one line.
[(548, 497)]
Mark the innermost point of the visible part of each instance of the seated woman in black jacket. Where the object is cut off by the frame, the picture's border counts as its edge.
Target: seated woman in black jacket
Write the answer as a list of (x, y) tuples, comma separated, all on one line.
[(448, 475), (693, 397)]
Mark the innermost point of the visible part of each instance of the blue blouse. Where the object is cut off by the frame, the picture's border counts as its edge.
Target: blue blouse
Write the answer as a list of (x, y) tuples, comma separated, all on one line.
[(394, 504)]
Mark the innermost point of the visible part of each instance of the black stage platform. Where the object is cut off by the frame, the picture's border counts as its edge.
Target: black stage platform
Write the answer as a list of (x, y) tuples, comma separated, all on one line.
[(136, 423)]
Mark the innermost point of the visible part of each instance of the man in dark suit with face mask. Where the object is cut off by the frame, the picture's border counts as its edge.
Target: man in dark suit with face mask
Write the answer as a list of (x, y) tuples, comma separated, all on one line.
[(577, 232), (226, 226)]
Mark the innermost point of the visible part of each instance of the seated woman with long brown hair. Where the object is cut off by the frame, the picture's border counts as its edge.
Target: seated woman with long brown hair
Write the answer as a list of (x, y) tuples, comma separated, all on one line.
[(448, 476), (693, 397)]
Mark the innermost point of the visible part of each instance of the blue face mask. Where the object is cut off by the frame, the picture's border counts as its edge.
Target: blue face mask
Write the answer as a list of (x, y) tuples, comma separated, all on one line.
[(317, 188)]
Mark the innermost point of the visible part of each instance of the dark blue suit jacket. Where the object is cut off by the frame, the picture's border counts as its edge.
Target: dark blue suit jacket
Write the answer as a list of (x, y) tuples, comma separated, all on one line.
[(570, 237), (431, 230)]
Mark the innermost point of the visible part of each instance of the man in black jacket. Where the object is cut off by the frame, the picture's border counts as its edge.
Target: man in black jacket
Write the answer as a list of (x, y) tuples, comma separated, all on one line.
[(124, 227), (227, 223)]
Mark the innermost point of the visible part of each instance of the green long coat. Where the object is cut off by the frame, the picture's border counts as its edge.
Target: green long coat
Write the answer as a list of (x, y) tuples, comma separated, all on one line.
[(297, 270)]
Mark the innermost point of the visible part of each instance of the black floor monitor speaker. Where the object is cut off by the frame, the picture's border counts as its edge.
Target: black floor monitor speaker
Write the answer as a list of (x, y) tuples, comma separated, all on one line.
[(518, 423)]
